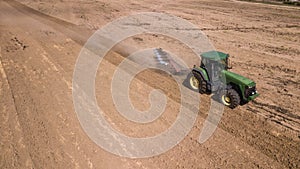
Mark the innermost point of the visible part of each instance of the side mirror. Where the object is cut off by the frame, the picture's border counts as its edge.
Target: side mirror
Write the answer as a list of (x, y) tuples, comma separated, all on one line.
[(229, 65)]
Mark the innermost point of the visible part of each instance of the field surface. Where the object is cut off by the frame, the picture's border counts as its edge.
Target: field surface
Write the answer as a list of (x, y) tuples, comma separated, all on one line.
[(41, 40)]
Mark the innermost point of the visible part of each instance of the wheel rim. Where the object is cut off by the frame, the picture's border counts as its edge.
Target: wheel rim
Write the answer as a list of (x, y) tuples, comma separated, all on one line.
[(194, 82), (226, 100)]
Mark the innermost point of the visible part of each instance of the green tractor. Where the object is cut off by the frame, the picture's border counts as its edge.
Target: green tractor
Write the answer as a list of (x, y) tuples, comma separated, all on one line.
[(212, 76)]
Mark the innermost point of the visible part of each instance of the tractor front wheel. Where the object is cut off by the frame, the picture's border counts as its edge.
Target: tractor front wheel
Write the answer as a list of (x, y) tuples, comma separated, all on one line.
[(193, 82), (230, 98), (196, 82)]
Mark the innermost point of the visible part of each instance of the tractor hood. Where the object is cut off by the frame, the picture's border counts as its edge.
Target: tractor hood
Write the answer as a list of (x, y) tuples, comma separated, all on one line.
[(237, 79)]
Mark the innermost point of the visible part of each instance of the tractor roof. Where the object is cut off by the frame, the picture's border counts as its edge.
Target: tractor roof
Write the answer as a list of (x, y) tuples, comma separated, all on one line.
[(214, 55)]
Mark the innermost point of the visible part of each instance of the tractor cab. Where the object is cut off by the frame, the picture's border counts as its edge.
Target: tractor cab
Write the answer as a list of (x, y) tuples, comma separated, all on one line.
[(214, 62), (215, 58)]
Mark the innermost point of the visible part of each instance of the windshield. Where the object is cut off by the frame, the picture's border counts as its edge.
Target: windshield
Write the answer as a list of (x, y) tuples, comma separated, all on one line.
[(224, 62)]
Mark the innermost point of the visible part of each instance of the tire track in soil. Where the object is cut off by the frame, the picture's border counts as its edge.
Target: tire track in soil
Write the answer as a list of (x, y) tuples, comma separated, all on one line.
[(11, 130), (58, 153), (244, 28), (77, 33), (277, 114), (25, 106), (38, 130)]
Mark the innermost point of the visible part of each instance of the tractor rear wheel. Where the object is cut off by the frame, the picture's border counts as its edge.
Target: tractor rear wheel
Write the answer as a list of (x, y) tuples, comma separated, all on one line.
[(196, 82), (230, 98)]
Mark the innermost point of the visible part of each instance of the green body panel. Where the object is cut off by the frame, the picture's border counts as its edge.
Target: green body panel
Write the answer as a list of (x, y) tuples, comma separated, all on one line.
[(214, 55), (252, 97), (237, 79), (203, 72), (240, 81)]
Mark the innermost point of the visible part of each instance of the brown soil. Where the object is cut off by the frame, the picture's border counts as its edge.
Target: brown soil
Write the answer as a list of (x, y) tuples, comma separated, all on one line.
[(40, 42)]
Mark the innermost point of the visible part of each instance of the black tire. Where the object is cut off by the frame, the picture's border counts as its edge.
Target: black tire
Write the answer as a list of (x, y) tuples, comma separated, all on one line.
[(230, 98), (200, 87), (203, 85)]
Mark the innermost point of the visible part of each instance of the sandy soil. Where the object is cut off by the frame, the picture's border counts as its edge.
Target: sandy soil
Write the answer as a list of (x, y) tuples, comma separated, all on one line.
[(40, 42)]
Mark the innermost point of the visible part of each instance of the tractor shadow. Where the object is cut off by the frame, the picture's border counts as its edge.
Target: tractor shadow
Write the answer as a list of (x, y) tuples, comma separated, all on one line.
[(215, 96)]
